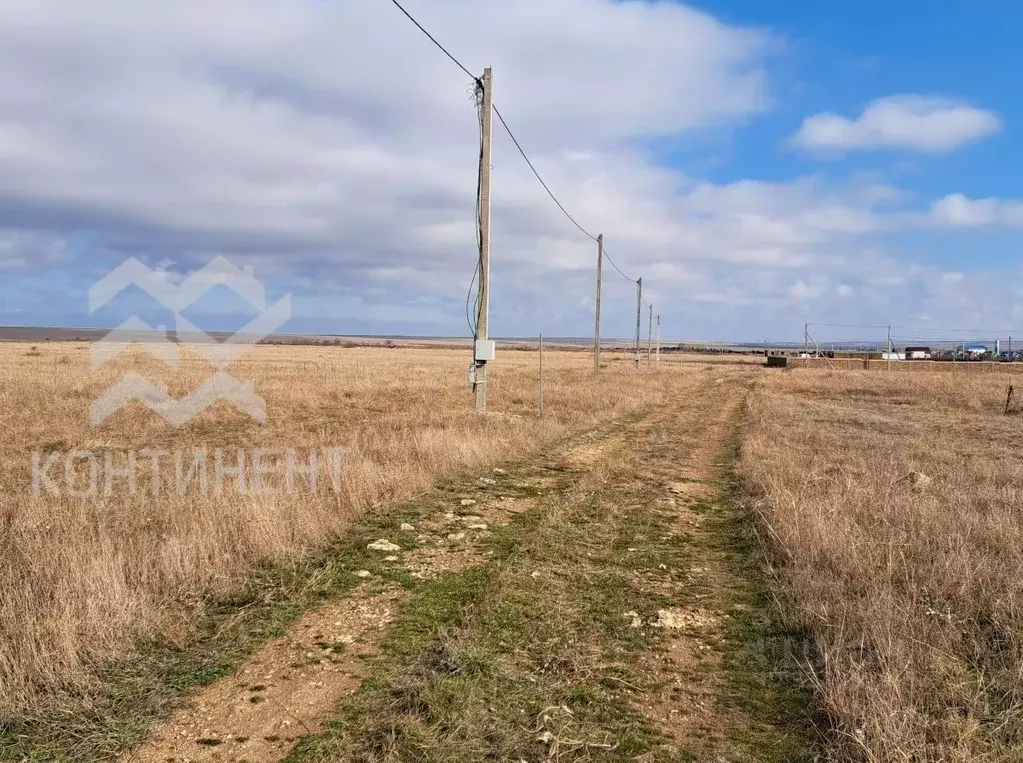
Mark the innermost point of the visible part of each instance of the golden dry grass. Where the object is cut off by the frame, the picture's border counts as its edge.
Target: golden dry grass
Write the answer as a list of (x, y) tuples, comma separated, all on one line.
[(913, 596), (84, 580)]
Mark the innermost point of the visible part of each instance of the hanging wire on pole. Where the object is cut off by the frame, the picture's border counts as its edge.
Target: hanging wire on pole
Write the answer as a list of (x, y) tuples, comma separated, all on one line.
[(615, 266), (433, 39), (550, 193), (479, 272), (542, 182), (841, 326), (477, 95), (553, 197)]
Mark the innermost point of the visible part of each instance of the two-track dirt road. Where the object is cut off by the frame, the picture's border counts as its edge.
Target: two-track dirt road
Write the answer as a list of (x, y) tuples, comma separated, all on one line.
[(604, 603)]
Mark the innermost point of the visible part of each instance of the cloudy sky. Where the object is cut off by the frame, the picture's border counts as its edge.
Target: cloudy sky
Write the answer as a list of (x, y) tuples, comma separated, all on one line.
[(758, 164)]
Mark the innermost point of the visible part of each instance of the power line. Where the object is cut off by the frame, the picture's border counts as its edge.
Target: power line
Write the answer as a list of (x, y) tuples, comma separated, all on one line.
[(553, 197), (458, 63), (843, 326), (545, 186), (521, 151), (478, 272), (615, 266), (958, 331)]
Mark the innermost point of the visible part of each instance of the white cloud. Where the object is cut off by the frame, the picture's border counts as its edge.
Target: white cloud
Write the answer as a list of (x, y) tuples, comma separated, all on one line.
[(312, 122), (958, 211), (330, 140), (803, 290), (21, 249), (931, 125), (329, 144)]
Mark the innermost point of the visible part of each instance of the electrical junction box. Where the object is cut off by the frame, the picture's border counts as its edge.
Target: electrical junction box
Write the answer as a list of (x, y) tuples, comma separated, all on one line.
[(485, 349)]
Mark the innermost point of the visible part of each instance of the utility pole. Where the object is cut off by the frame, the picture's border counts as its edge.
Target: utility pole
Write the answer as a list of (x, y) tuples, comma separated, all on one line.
[(639, 313), (658, 340), (483, 348), (650, 336), (806, 338), (596, 321)]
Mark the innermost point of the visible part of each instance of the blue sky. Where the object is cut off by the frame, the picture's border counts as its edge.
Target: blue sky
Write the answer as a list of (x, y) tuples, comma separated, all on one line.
[(840, 56), (759, 164)]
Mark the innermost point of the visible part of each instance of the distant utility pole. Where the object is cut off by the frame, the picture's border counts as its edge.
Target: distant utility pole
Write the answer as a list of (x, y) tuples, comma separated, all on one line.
[(650, 336), (483, 348), (658, 340), (596, 321), (639, 313)]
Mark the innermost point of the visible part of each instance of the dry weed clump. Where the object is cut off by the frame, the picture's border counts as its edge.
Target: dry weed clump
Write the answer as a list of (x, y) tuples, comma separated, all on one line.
[(910, 589), (84, 579)]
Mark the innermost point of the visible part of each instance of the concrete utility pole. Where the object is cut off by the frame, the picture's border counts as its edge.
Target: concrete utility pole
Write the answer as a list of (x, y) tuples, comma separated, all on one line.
[(650, 336), (639, 313), (658, 340), (483, 349), (596, 321)]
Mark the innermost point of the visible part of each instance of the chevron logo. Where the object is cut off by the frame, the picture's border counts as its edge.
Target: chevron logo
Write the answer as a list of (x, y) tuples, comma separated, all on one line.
[(177, 297)]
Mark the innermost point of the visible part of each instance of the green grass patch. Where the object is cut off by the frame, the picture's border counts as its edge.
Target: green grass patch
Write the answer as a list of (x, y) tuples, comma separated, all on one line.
[(526, 658), (762, 658), (533, 657)]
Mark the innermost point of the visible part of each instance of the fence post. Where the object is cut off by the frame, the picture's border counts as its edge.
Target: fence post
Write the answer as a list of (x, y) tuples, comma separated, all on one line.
[(541, 376)]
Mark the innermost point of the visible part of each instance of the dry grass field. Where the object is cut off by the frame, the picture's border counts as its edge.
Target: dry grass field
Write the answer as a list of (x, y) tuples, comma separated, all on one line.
[(890, 505), (911, 590), (84, 579)]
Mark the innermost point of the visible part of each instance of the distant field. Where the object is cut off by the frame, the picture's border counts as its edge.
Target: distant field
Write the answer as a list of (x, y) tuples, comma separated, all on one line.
[(669, 346), (910, 586), (59, 334), (84, 578)]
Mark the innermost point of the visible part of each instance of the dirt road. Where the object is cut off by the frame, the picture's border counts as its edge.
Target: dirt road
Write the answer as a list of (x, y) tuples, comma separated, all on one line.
[(605, 604)]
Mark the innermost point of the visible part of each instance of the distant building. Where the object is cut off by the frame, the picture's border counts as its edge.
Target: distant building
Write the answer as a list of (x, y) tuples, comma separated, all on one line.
[(974, 350), (918, 353)]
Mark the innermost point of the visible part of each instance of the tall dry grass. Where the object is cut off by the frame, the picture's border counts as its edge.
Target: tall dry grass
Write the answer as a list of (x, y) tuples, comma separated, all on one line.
[(83, 580), (913, 596)]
